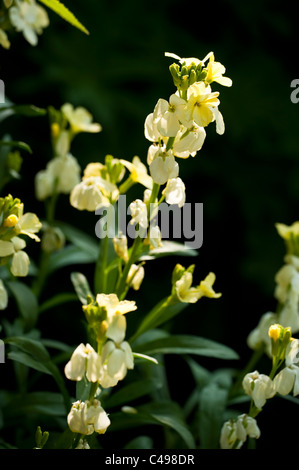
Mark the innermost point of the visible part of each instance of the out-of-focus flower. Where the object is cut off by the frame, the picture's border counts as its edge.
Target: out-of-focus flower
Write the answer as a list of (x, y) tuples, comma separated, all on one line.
[(234, 432), (80, 119), (4, 41), (3, 296), (135, 276), (120, 244), (138, 172), (29, 18), (259, 387), (93, 192), (61, 175)]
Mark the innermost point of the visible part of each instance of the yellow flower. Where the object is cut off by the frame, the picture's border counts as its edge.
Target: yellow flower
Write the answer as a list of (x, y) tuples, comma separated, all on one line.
[(202, 106), (186, 293), (80, 119), (215, 71), (138, 172)]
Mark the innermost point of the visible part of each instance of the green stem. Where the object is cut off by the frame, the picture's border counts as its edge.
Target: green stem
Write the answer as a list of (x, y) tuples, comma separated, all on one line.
[(100, 277)]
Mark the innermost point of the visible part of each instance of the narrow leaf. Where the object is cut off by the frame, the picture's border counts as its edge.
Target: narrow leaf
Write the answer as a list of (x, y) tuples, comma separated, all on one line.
[(26, 301), (187, 344), (81, 287), (65, 13)]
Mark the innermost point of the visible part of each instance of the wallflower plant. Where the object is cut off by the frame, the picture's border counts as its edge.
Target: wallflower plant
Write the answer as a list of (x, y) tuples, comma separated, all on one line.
[(114, 377)]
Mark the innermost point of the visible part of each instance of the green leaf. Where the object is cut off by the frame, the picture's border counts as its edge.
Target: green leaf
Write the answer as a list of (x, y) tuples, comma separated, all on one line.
[(212, 404), (65, 13), (33, 354), (165, 413), (161, 313), (131, 392), (79, 238), (81, 287), (70, 255), (26, 301), (24, 110), (140, 442), (187, 344), (58, 299), (18, 144), (45, 403), (168, 248)]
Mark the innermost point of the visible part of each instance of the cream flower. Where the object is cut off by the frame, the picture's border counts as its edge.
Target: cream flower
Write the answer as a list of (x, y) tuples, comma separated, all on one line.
[(150, 129), (202, 106), (29, 18), (120, 244), (61, 175), (175, 192), (3, 296), (189, 141), (88, 417), (20, 259), (116, 360), (135, 276), (167, 116), (163, 168), (288, 378), (115, 320), (259, 336), (188, 294), (83, 360), (155, 237), (259, 387), (215, 71), (138, 211), (93, 192), (4, 41), (138, 172), (80, 119), (234, 432)]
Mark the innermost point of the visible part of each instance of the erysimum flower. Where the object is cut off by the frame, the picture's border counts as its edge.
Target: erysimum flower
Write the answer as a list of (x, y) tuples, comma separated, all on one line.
[(61, 175), (288, 378), (80, 119), (135, 276), (175, 192), (186, 293), (138, 172), (215, 71), (92, 192), (83, 360), (259, 387), (189, 141), (88, 417), (164, 167), (3, 296), (29, 18), (139, 213), (202, 106), (234, 432), (116, 360)]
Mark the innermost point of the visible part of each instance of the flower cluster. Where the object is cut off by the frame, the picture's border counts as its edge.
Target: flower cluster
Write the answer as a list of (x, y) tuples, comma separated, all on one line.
[(176, 128), (104, 367), (286, 292), (283, 378), (24, 16), (13, 224)]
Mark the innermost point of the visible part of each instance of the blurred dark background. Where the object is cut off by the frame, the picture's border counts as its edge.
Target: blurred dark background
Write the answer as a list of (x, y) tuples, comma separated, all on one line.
[(247, 179)]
